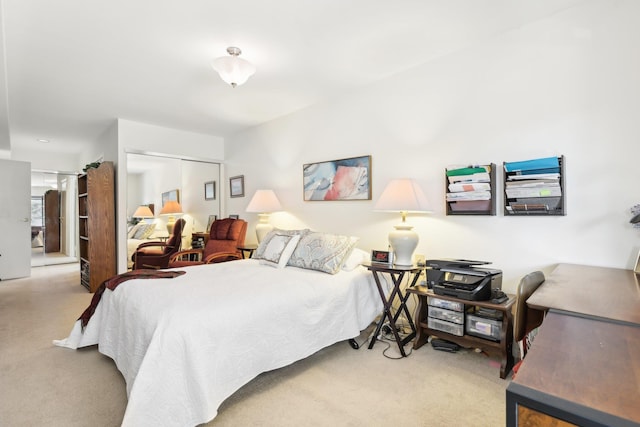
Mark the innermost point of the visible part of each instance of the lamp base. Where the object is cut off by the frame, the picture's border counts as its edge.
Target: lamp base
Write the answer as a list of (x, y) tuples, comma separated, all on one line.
[(170, 222), (403, 241), (263, 226)]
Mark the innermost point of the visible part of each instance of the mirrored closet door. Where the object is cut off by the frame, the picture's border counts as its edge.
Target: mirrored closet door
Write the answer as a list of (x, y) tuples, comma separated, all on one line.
[(154, 180)]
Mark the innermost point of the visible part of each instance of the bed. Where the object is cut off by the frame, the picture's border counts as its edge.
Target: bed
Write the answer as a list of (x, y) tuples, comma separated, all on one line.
[(185, 344)]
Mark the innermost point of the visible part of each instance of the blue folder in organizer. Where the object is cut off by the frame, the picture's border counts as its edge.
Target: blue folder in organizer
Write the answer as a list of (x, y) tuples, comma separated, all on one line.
[(545, 163)]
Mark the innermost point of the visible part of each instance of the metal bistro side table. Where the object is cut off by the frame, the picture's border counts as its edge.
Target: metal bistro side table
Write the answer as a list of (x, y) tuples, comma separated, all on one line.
[(397, 273)]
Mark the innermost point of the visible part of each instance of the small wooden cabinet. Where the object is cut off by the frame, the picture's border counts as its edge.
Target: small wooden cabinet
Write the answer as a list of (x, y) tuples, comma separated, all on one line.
[(97, 225), (501, 348), (199, 237)]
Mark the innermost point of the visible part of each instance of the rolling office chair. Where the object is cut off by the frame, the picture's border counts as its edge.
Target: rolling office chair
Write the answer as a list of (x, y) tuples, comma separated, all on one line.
[(526, 318)]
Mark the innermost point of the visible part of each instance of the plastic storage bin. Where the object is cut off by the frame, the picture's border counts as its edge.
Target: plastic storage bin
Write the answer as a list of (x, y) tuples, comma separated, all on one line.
[(483, 327), (448, 327), (449, 305), (448, 315)]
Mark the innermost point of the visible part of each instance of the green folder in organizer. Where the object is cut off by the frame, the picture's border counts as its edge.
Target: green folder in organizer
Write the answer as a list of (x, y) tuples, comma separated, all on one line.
[(467, 171)]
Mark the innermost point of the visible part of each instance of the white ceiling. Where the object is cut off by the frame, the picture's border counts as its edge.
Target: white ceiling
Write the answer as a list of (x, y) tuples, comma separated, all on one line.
[(73, 66)]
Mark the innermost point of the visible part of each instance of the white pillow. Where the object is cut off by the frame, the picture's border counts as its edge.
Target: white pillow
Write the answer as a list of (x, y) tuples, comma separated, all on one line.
[(259, 252), (323, 252), (355, 258), (279, 250)]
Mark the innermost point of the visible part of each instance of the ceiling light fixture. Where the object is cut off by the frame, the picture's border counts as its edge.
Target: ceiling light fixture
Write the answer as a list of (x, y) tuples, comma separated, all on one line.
[(43, 140), (232, 69)]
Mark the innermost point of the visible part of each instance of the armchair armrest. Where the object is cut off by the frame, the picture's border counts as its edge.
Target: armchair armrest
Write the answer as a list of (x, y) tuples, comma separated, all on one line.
[(180, 256), (221, 256), (147, 244)]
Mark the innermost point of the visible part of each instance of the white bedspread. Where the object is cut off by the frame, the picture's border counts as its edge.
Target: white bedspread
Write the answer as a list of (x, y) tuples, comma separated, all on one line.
[(185, 344)]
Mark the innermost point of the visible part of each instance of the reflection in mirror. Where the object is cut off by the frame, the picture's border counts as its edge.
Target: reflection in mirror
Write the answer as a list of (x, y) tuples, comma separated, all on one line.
[(151, 176)]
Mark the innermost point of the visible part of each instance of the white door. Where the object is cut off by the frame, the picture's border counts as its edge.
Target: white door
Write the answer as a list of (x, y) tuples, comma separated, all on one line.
[(15, 219)]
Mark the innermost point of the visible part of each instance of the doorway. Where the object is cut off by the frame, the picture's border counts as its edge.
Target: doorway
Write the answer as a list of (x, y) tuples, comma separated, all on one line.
[(54, 235)]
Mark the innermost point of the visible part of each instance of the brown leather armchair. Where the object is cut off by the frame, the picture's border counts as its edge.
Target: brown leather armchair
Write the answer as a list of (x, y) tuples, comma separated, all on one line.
[(225, 236), (157, 254)]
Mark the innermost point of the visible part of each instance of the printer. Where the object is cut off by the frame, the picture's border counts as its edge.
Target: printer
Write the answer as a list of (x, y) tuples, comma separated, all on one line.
[(464, 279)]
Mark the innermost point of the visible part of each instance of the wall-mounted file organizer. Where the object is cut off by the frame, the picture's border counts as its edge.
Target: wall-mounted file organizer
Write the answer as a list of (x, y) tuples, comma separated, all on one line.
[(534, 187), (471, 190)]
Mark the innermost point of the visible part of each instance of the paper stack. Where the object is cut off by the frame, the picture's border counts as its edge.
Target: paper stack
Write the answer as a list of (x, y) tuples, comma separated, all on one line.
[(469, 188), (533, 185)]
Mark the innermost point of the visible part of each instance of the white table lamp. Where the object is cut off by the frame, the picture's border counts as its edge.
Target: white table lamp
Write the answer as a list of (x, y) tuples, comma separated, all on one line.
[(403, 195), (171, 209), (263, 203)]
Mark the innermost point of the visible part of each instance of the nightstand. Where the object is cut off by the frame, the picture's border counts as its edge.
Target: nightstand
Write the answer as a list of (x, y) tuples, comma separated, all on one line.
[(397, 274), (250, 249)]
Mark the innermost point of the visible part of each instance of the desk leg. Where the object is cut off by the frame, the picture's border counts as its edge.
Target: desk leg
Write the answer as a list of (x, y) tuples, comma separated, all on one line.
[(507, 359)]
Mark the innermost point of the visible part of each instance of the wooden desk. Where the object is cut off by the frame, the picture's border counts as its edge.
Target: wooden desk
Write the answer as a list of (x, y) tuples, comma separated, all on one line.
[(609, 293), (579, 370)]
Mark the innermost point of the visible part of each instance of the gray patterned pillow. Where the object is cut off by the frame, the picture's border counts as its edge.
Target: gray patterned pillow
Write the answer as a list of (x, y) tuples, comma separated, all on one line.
[(323, 252), (144, 231), (259, 252)]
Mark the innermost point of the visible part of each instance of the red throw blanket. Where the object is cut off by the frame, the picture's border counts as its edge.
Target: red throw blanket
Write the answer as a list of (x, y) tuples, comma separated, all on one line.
[(113, 283)]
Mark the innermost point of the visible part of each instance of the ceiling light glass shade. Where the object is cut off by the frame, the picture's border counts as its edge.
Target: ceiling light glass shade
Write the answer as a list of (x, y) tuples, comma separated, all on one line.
[(232, 69), (403, 195), (263, 202)]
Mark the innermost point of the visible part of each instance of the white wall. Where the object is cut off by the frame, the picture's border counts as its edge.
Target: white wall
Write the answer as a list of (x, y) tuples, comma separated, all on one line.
[(568, 85)]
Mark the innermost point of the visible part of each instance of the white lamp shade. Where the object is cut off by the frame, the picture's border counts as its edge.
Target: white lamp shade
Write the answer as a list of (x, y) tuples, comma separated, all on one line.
[(232, 69), (143, 211), (264, 201), (403, 195), (171, 208)]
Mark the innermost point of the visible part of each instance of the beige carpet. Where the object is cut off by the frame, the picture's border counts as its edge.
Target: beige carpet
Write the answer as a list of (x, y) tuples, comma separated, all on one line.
[(43, 385)]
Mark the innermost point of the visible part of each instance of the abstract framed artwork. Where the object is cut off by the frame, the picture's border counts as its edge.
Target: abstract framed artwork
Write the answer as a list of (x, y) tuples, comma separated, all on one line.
[(344, 179), (210, 190), (236, 186), (170, 195)]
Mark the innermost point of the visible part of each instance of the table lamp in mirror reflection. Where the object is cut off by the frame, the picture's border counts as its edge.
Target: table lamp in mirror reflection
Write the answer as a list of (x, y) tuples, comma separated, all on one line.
[(171, 208), (404, 196), (263, 202), (142, 212)]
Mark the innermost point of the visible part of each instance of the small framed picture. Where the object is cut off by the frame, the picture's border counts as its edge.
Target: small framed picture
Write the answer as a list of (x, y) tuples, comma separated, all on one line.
[(210, 190), (236, 186), (636, 269), (234, 216), (212, 218), (381, 257)]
